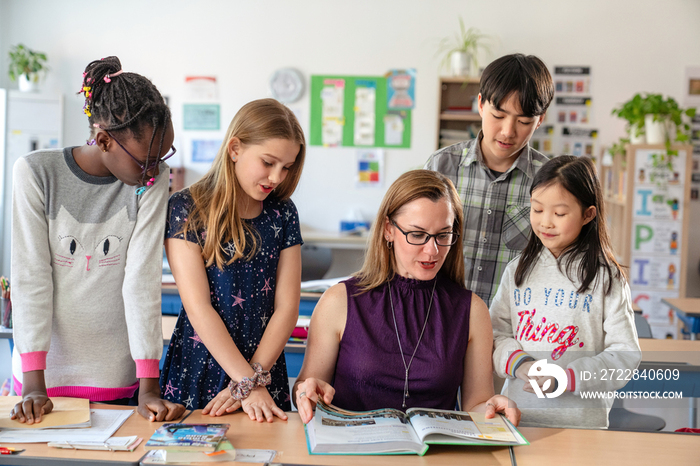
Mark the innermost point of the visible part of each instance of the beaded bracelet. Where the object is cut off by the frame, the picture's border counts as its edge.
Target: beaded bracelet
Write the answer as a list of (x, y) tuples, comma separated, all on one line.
[(241, 390)]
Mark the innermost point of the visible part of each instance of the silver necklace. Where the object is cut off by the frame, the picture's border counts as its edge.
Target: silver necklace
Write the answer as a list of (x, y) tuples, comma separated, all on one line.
[(396, 327)]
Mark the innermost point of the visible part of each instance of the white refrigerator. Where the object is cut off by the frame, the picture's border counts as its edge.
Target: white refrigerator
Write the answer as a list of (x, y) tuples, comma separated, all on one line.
[(28, 122)]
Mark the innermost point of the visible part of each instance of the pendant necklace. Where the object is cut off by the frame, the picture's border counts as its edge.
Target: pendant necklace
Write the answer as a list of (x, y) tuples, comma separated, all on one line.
[(396, 327)]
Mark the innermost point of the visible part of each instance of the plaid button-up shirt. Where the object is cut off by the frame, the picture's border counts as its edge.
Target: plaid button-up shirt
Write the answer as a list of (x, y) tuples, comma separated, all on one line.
[(496, 210)]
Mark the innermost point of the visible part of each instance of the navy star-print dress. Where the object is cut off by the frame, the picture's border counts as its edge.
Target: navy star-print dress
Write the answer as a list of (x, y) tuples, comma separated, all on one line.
[(243, 294)]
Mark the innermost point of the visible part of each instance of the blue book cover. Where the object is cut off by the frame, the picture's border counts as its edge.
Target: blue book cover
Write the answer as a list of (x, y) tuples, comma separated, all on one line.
[(187, 437)]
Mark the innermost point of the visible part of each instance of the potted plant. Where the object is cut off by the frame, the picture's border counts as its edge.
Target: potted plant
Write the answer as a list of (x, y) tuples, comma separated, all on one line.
[(26, 65), (659, 119), (633, 111), (460, 50), (664, 120)]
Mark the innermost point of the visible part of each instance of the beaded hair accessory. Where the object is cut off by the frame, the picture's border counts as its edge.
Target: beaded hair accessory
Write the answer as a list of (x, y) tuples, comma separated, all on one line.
[(86, 89)]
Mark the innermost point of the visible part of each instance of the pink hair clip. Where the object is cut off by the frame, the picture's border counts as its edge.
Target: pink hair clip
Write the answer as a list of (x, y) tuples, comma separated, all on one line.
[(108, 78)]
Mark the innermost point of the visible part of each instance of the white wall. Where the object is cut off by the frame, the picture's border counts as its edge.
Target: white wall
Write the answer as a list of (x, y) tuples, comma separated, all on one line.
[(632, 46)]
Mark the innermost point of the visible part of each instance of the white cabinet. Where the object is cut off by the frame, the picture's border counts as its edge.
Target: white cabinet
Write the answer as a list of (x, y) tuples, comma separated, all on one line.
[(28, 122)]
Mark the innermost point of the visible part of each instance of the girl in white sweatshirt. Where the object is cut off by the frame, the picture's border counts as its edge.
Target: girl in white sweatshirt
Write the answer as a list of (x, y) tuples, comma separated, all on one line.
[(562, 316)]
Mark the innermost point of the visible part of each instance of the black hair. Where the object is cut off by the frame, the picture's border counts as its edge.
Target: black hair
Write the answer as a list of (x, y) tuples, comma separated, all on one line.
[(526, 75), (592, 246), (126, 104)]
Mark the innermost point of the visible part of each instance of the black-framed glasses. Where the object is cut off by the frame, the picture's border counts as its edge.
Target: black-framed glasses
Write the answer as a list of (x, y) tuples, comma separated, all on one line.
[(143, 166), (419, 238)]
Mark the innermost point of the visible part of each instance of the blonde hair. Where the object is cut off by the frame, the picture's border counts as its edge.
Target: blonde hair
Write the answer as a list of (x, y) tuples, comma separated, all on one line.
[(216, 193), (380, 265)]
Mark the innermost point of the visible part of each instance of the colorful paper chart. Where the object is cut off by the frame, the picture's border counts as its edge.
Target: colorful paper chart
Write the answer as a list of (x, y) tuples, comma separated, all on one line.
[(392, 128)]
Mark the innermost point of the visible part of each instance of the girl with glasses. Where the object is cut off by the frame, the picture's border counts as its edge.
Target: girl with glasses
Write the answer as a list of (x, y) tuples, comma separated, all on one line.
[(87, 254), (233, 242), (404, 332)]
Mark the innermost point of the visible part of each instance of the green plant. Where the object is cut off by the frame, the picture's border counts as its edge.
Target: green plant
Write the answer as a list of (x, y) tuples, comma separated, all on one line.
[(26, 61), (618, 147), (660, 108), (638, 107), (633, 111), (466, 40)]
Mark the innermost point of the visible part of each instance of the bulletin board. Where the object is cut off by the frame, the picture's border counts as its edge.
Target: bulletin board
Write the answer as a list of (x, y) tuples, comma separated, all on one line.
[(352, 111)]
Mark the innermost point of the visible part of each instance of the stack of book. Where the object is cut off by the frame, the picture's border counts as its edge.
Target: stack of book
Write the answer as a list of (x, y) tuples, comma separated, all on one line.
[(453, 136), (189, 443)]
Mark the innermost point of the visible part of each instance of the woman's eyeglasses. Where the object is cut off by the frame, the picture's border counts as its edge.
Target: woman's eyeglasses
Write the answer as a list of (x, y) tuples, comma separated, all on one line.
[(143, 166), (419, 238)]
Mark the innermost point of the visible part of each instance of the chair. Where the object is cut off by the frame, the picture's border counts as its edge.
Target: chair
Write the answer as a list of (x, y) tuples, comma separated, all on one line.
[(315, 262), (643, 327), (623, 419)]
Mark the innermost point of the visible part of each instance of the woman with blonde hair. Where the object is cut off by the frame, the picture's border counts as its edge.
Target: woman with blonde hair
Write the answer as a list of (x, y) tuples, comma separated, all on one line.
[(404, 332), (233, 242)]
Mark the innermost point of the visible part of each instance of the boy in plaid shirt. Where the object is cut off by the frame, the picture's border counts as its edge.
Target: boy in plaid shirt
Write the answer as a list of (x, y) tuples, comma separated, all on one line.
[(493, 172)]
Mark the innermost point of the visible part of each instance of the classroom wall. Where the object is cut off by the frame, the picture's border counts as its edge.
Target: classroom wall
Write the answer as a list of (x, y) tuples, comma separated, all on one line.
[(632, 45)]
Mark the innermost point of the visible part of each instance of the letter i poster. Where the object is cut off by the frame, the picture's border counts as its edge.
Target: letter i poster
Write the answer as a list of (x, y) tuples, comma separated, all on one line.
[(656, 243)]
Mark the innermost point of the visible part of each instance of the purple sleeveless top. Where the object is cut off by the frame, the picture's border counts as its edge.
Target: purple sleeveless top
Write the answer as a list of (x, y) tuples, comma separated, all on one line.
[(369, 372)]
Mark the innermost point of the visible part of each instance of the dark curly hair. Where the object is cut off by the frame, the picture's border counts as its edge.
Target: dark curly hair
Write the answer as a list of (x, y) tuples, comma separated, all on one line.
[(123, 103)]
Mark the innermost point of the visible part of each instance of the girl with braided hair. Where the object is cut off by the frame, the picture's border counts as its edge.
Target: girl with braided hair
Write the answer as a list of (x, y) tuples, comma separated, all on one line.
[(87, 229)]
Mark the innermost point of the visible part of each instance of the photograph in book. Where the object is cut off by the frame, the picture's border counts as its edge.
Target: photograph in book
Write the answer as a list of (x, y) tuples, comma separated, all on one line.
[(334, 431)]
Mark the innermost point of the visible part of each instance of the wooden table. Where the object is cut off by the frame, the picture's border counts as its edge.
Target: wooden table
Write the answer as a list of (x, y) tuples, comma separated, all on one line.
[(547, 446)]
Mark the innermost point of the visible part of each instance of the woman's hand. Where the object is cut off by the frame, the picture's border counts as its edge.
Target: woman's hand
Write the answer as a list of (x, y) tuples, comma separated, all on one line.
[(221, 404), (504, 405), (260, 406), (307, 395), (33, 405)]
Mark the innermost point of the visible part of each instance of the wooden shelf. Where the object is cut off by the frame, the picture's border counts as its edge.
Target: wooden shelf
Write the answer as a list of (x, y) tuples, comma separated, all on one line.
[(459, 80), (618, 201), (460, 116), (457, 92)]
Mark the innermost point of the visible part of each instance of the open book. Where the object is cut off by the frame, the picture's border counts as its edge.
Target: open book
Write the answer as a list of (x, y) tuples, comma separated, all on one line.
[(334, 431)]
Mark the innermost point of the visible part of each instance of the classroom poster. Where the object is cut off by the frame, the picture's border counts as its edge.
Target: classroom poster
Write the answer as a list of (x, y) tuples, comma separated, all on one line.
[(205, 150), (657, 226), (571, 112), (365, 115), (662, 319), (201, 116), (201, 88), (335, 109), (578, 141), (332, 111), (401, 93), (370, 168), (574, 80), (542, 140)]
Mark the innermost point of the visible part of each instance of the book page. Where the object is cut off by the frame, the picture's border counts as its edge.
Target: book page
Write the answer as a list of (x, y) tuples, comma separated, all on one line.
[(105, 423), (339, 428), (460, 425)]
